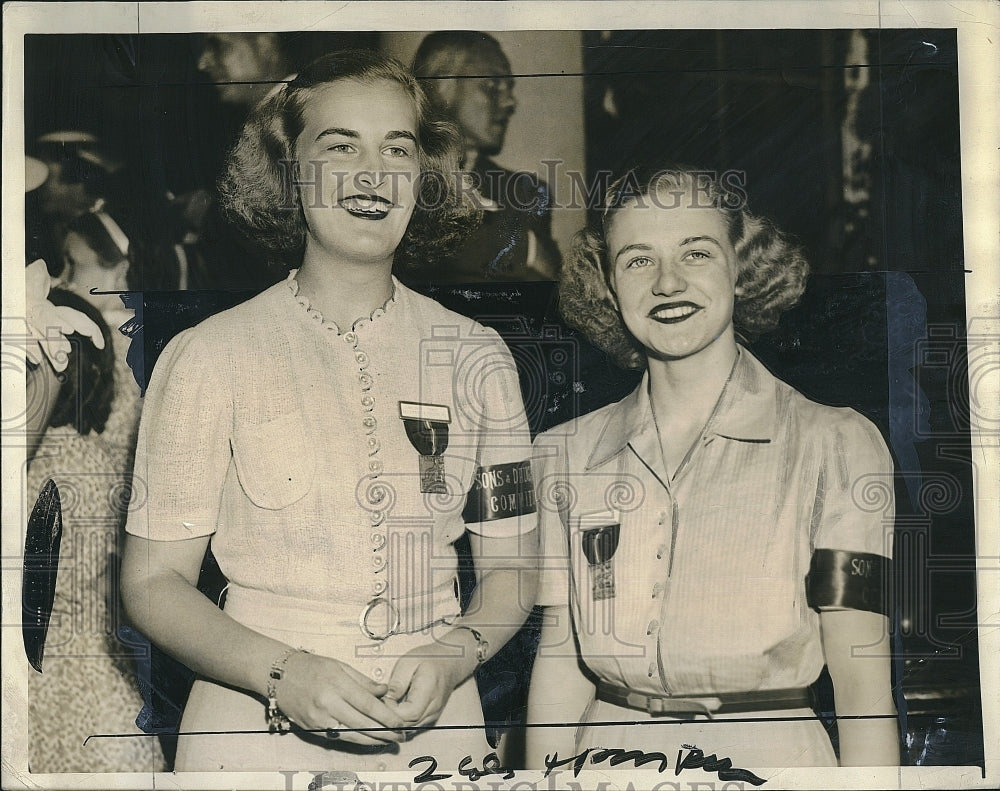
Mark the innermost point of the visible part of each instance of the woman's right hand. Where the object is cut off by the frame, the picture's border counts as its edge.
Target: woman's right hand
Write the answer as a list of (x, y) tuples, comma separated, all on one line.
[(316, 693)]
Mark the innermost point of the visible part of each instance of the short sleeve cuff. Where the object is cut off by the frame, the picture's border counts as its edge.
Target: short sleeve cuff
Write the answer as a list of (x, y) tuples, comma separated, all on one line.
[(171, 529), (504, 528)]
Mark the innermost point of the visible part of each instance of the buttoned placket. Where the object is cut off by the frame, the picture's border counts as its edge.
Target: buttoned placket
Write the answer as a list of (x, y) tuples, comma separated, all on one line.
[(378, 539), (376, 492), (631, 432), (662, 545), (646, 448)]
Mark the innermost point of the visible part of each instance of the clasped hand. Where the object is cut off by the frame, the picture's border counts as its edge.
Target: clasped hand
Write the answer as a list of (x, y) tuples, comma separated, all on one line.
[(423, 680), (319, 693)]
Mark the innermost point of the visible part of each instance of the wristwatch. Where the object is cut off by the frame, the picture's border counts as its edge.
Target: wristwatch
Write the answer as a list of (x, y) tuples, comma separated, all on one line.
[(482, 645)]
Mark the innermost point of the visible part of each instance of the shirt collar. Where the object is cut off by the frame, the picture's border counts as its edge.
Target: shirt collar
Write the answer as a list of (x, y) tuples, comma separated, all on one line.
[(748, 412)]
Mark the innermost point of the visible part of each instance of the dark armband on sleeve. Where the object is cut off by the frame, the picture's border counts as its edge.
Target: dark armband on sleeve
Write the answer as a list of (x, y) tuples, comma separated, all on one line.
[(500, 491), (849, 580)]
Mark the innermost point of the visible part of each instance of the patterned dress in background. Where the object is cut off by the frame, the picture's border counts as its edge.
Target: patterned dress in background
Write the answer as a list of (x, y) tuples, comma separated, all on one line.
[(88, 685)]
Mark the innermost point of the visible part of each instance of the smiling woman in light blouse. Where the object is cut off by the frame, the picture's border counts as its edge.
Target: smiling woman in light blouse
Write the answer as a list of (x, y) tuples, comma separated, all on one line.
[(708, 542), (332, 438)]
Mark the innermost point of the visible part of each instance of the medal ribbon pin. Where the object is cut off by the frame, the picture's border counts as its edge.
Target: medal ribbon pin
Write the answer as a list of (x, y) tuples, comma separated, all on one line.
[(427, 428), (599, 547)]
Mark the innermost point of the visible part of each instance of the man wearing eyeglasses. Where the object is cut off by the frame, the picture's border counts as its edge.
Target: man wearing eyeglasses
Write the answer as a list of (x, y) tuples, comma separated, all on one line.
[(469, 77)]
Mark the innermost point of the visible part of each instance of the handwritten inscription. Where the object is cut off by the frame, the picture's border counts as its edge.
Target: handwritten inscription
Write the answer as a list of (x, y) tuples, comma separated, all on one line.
[(696, 759), (491, 766), (598, 756), (592, 756)]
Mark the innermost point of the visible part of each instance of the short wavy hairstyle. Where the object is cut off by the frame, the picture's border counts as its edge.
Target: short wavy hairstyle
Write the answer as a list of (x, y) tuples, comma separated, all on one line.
[(258, 193), (772, 268)]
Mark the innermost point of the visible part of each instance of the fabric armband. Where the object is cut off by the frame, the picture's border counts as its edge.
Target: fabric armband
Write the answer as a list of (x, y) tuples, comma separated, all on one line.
[(500, 491), (847, 580)]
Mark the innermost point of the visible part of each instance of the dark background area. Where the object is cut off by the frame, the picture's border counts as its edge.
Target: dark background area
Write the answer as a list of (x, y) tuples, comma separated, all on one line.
[(881, 327)]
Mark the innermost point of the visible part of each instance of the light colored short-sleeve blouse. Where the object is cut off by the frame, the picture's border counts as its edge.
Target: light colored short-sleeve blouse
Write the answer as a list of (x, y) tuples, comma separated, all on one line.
[(701, 587), (287, 442)]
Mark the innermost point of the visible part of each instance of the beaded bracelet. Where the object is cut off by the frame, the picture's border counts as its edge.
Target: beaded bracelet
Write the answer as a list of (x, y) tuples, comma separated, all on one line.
[(276, 721)]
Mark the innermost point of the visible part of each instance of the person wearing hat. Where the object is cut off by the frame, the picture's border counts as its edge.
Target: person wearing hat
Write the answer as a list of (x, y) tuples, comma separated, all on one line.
[(77, 171)]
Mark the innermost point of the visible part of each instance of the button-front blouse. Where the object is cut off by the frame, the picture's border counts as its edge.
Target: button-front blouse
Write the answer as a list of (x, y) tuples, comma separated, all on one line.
[(288, 442), (696, 584)]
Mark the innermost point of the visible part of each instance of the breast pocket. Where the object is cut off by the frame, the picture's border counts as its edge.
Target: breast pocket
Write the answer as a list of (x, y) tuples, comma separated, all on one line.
[(274, 462)]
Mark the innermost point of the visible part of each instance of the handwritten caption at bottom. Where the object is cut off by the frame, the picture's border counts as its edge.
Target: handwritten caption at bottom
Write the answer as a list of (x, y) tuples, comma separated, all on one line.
[(592, 756)]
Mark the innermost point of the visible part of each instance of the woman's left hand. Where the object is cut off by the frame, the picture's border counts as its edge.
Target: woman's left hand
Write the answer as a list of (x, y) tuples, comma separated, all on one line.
[(423, 680)]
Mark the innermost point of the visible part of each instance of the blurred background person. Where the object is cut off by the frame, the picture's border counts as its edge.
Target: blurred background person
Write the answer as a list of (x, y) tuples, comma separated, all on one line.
[(89, 684), (243, 67), (77, 173), (469, 77), (86, 174)]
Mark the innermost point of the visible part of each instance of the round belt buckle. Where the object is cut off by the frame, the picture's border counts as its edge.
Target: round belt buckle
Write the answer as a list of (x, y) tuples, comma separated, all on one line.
[(383, 611)]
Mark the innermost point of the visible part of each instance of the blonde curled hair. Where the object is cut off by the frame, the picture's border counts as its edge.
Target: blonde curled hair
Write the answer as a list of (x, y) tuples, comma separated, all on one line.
[(771, 268)]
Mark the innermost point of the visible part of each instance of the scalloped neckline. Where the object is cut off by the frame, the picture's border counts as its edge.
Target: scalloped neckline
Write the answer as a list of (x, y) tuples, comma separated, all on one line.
[(293, 286)]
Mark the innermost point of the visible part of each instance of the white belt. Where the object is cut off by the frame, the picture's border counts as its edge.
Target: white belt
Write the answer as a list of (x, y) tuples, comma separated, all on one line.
[(379, 619)]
